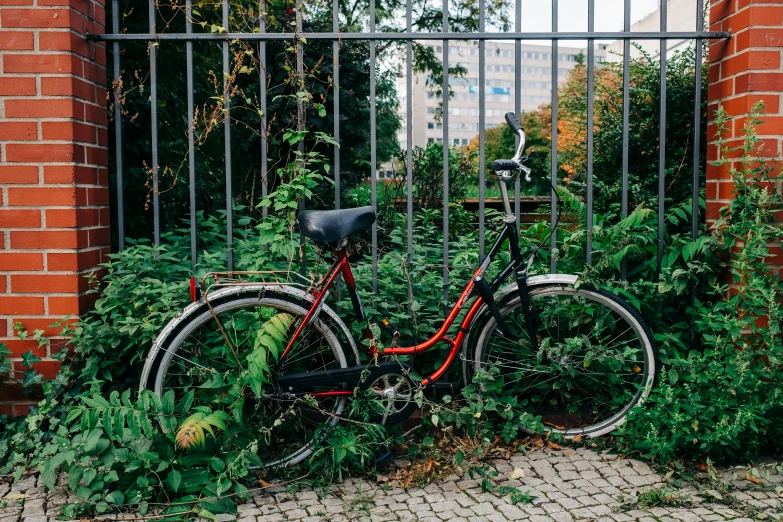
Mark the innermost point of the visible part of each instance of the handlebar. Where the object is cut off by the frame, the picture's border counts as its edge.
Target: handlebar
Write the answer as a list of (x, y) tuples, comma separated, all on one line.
[(509, 169), (502, 164), (513, 122)]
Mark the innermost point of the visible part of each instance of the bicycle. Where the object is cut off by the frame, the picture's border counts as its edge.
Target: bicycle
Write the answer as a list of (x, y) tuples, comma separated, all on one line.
[(575, 356)]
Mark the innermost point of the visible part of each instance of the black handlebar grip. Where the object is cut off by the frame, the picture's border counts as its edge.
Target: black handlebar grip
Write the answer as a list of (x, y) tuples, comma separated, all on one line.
[(513, 122), (501, 164)]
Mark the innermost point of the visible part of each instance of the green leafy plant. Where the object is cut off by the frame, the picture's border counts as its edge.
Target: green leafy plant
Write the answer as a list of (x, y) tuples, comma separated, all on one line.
[(722, 398)]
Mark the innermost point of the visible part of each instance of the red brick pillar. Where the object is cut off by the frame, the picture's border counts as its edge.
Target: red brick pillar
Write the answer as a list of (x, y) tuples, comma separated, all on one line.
[(54, 215), (743, 70)]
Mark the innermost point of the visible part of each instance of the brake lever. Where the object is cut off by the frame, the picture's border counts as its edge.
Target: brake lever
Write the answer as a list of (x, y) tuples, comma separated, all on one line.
[(527, 170)]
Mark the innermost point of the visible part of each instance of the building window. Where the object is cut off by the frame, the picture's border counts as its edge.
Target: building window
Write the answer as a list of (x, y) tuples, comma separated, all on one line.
[(464, 141), (430, 140), (430, 125)]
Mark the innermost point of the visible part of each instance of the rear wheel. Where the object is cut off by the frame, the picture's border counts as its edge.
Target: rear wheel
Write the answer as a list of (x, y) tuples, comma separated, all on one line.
[(196, 357), (593, 359)]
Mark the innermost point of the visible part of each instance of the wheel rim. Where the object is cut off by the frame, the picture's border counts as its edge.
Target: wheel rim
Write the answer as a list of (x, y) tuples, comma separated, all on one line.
[(593, 361), (199, 355)]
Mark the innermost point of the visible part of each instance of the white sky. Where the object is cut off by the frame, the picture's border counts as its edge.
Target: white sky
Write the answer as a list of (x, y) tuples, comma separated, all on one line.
[(537, 14), (572, 16)]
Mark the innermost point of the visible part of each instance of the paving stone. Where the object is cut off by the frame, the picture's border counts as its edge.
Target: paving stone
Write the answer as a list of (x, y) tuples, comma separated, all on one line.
[(567, 486), (563, 516), (484, 508)]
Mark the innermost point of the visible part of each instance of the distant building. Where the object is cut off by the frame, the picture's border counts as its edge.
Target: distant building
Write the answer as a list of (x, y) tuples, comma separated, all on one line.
[(536, 76), (680, 16)]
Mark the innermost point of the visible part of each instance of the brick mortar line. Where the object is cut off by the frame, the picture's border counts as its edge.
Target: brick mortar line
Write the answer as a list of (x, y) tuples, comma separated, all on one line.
[(80, 272)]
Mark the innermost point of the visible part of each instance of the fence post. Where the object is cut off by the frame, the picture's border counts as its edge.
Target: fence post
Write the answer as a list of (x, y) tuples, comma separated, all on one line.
[(743, 70), (54, 213)]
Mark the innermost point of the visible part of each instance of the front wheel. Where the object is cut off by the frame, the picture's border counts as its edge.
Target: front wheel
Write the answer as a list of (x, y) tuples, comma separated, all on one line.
[(592, 361)]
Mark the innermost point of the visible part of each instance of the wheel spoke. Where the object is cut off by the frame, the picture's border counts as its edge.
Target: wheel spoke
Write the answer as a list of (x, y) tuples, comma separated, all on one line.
[(585, 372), (201, 355)]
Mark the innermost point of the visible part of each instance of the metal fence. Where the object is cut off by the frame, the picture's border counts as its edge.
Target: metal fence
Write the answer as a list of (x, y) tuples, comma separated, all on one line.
[(408, 36)]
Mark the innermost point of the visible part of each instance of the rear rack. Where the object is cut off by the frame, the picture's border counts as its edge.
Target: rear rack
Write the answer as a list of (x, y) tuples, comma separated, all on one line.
[(215, 280)]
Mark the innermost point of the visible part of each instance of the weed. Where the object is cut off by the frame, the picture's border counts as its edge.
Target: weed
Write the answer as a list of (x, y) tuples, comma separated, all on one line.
[(662, 496)]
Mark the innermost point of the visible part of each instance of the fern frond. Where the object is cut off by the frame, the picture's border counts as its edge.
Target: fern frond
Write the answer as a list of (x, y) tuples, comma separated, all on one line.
[(191, 432)]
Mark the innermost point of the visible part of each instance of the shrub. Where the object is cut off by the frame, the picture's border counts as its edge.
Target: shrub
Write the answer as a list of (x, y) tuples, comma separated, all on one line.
[(723, 398)]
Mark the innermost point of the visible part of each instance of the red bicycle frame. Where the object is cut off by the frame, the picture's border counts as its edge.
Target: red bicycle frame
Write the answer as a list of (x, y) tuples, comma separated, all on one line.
[(343, 267)]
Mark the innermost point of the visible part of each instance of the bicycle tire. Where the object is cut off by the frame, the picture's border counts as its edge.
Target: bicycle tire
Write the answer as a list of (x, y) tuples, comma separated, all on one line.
[(168, 348), (606, 299)]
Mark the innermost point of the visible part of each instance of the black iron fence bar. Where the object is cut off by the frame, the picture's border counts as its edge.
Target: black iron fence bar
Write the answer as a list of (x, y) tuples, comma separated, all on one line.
[(697, 126), (191, 137), (590, 88), (411, 36), (553, 198), (336, 101), (445, 93), (154, 124), (300, 123), (482, 123), (227, 139), (262, 103), (115, 24), (626, 122), (373, 155), (409, 144), (662, 140), (517, 97)]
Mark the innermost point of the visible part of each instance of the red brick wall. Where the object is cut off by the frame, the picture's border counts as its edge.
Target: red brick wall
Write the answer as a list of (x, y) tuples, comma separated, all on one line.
[(54, 215), (744, 70)]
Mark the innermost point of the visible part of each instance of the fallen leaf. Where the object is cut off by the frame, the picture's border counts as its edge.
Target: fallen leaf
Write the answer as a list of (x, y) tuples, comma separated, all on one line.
[(714, 494), (577, 438), (702, 466), (552, 445), (264, 483), (381, 478), (430, 463), (517, 473), (15, 496), (751, 478)]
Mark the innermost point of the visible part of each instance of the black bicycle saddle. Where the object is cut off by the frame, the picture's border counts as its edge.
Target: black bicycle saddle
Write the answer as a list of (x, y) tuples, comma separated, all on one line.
[(330, 226)]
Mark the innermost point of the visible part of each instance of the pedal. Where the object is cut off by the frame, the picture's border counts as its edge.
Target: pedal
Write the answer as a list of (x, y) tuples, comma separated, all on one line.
[(395, 334)]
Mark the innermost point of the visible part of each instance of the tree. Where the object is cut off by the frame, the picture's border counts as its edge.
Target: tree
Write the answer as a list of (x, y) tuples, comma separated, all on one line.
[(643, 131), (245, 77)]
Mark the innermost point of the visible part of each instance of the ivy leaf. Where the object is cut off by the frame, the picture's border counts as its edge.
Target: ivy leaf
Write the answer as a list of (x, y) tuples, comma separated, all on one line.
[(28, 359), (31, 378)]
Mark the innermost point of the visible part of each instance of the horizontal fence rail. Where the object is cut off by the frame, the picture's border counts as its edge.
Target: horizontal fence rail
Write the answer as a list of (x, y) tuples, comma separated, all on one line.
[(411, 36), (262, 37)]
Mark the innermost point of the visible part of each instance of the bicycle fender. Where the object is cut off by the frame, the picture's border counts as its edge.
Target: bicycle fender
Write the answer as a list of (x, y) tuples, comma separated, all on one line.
[(198, 307), (507, 291)]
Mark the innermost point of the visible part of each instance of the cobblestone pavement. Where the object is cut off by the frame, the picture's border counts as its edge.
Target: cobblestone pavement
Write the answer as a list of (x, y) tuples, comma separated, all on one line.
[(567, 485)]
